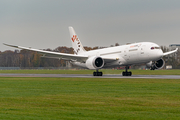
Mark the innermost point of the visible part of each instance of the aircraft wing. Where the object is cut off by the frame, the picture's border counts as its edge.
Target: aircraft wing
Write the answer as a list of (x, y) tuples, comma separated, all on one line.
[(71, 57), (167, 53), (64, 56)]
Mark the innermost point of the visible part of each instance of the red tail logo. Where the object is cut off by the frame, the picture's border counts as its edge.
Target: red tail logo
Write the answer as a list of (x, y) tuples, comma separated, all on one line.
[(74, 38)]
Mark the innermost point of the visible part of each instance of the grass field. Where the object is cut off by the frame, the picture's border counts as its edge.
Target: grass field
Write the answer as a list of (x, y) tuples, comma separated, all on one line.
[(105, 71), (89, 99)]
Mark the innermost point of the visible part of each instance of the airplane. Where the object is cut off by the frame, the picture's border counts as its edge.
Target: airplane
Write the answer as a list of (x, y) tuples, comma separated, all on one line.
[(124, 55)]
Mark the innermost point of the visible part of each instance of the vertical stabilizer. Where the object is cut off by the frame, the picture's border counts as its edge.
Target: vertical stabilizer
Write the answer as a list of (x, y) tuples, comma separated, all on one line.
[(76, 43)]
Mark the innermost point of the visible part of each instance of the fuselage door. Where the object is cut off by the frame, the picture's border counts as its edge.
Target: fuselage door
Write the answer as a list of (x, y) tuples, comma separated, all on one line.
[(143, 55), (126, 55)]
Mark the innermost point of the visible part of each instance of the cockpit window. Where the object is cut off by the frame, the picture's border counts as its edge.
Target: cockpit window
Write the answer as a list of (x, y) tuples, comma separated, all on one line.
[(152, 48), (157, 48)]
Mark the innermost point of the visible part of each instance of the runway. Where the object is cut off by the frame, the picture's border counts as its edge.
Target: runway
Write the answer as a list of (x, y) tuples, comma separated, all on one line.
[(91, 76)]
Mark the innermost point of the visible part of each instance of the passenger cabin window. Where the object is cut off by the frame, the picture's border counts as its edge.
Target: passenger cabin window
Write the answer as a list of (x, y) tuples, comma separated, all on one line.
[(133, 50)]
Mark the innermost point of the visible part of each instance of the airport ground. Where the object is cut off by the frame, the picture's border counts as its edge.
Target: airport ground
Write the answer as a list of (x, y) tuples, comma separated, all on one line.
[(85, 71), (89, 98)]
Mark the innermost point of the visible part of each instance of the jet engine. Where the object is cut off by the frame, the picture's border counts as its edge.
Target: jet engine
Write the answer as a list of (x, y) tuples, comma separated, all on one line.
[(155, 65), (94, 62)]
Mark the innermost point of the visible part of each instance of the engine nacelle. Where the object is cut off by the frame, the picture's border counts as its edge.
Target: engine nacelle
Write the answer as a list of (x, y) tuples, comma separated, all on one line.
[(94, 63), (159, 64), (156, 65)]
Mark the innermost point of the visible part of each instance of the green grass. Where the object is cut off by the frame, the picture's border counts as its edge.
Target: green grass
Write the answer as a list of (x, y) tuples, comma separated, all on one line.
[(105, 71), (89, 99)]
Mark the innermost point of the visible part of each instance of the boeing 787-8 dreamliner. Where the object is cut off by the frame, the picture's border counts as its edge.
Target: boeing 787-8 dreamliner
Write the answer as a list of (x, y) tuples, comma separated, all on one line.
[(125, 55)]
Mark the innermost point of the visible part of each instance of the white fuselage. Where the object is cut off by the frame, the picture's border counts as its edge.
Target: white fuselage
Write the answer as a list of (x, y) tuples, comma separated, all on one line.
[(130, 54)]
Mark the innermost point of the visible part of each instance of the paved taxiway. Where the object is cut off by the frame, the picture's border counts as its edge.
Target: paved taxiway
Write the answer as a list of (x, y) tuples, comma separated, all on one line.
[(90, 76)]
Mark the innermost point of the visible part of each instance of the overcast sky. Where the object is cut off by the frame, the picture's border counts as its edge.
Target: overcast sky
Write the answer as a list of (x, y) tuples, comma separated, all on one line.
[(44, 23)]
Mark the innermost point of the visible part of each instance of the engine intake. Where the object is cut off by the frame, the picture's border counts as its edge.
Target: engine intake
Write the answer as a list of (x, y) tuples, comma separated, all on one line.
[(94, 63), (159, 64), (156, 65)]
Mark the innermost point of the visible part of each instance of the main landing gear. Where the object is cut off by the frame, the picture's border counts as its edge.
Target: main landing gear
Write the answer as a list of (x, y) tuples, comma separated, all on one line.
[(97, 73), (126, 73)]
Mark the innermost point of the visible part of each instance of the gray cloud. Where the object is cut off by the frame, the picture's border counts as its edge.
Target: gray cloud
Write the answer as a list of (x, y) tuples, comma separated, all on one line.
[(44, 23)]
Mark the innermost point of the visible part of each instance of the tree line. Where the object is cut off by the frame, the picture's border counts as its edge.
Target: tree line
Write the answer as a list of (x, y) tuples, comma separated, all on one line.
[(28, 59)]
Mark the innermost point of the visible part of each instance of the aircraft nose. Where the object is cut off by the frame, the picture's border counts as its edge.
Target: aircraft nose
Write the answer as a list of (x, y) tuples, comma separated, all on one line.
[(160, 53), (156, 54)]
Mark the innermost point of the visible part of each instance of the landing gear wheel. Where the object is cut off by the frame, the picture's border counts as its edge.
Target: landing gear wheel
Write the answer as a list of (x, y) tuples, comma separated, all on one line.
[(97, 73), (152, 68), (94, 74), (126, 73)]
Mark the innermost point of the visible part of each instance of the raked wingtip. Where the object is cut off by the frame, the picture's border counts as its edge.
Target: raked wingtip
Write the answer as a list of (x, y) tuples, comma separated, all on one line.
[(10, 45)]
